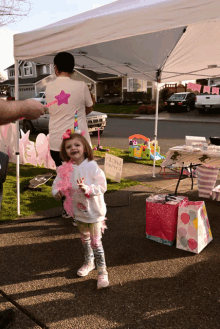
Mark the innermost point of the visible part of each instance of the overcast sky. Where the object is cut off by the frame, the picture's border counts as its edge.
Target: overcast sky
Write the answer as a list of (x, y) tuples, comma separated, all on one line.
[(43, 13)]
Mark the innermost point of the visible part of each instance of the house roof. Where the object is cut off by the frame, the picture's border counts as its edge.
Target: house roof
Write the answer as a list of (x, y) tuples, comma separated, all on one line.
[(95, 76), (25, 81), (10, 67)]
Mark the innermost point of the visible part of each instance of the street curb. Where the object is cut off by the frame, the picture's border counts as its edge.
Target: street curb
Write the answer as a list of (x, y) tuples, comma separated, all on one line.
[(142, 117)]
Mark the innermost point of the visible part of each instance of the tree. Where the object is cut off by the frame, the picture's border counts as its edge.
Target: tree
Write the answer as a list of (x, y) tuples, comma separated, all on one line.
[(12, 11), (1, 77)]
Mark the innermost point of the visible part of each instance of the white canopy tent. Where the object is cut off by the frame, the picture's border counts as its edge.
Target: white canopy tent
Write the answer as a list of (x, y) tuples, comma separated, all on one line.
[(169, 41)]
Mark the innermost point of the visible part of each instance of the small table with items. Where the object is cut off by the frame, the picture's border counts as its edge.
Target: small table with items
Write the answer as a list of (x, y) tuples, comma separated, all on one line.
[(207, 157)]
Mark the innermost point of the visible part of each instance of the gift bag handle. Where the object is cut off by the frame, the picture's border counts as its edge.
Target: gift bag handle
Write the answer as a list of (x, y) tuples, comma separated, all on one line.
[(172, 197)]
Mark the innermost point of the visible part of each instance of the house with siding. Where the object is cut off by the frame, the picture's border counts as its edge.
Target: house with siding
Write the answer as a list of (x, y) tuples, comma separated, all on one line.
[(34, 77), (108, 87)]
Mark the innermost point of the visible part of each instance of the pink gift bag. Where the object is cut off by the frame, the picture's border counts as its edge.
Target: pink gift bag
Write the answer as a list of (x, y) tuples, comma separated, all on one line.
[(161, 217), (193, 229), (207, 176)]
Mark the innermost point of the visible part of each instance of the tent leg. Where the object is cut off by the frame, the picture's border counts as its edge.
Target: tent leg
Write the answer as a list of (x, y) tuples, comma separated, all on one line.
[(155, 129), (17, 141)]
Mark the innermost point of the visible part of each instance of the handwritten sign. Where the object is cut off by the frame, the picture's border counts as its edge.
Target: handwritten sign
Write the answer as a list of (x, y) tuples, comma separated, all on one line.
[(113, 167)]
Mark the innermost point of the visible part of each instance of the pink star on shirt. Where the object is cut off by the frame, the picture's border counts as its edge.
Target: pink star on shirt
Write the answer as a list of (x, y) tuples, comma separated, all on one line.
[(62, 98)]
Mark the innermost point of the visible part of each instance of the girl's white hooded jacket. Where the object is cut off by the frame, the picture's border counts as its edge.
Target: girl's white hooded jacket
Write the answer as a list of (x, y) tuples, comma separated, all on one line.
[(88, 207)]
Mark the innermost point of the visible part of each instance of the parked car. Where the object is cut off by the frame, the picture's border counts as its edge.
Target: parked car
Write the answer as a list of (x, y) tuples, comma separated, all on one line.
[(40, 97), (95, 120), (180, 102), (206, 103)]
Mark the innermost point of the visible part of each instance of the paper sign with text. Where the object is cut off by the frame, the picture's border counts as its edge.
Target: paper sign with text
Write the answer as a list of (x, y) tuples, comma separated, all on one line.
[(113, 167)]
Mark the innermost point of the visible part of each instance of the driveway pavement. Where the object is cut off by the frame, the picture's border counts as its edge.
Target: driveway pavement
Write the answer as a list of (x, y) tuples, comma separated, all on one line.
[(151, 285)]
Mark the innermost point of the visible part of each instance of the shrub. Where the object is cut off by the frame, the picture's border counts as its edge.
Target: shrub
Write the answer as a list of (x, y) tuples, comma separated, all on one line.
[(149, 109)]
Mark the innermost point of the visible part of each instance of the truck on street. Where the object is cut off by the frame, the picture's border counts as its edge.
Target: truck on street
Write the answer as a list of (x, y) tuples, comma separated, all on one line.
[(207, 102)]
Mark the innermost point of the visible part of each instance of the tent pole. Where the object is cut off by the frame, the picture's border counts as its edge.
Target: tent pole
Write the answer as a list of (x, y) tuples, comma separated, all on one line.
[(17, 141), (156, 124)]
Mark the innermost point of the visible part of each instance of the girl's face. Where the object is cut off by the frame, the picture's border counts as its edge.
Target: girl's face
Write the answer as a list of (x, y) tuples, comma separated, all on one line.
[(75, 150)]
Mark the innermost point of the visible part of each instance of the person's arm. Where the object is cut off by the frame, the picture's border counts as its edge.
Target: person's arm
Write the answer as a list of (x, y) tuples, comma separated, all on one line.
[(89, 110), (88, 98), (12, 111)]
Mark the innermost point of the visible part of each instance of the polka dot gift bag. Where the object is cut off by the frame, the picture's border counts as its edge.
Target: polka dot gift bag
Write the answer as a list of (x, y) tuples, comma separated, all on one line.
[(193, 230)]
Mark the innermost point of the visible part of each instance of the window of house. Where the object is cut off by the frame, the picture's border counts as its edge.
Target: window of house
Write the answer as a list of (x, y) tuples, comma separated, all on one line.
[(116, 83), (44, 69), (12, 73), (130, 84), (28, 68)]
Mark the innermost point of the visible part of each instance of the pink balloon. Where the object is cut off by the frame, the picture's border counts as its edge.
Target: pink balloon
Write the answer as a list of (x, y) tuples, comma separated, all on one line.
[(192, 244), (185, 218), (192, 231)]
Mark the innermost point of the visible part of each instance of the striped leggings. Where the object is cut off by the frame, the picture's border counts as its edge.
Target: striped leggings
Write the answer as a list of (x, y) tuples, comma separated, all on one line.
[(91, 237)]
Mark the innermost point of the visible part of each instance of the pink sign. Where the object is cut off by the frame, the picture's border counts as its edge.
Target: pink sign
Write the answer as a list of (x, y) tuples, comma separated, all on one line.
[(37, 154), (190, 86), (207, 89), (198, 87), (215, 90)]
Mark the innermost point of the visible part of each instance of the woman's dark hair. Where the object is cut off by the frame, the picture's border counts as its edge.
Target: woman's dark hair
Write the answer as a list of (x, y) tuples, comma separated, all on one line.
[(87, 148), (64, 62)]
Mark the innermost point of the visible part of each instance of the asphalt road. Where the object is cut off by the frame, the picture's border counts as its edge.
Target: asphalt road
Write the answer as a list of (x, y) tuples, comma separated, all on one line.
[(170, 133)]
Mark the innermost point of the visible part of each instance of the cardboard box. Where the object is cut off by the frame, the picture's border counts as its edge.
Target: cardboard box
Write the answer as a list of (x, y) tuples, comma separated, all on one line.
[(194, 139)]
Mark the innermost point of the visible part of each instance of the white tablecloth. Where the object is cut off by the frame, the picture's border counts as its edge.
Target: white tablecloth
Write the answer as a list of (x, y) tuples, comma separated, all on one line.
[(180, 156), (207, 172)]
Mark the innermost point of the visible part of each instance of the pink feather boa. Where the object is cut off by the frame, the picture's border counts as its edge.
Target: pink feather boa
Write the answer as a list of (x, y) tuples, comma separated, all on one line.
[(64, 186)]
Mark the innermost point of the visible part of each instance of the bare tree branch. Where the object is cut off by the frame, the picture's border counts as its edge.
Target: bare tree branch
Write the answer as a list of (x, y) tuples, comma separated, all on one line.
[(1, 77), (12, 11)]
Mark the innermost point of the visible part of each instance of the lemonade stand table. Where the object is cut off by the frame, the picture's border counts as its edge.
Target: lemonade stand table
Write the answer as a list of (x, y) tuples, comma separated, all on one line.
[(189, 157)]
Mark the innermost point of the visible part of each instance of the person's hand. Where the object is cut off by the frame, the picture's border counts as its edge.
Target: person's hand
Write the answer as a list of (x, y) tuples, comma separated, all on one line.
[(81, 184), (58, 196), (33, 109)]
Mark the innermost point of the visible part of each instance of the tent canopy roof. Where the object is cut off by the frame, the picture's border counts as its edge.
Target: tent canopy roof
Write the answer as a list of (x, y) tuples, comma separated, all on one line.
[(177, 40)]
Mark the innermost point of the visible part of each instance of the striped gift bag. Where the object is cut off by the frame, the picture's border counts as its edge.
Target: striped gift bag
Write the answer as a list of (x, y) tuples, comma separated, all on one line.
[(207, 176)]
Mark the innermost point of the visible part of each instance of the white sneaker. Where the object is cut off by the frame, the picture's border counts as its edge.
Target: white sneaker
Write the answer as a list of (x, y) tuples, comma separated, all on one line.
[(85, 269), (102, 280), (65, 215), (74, 223)]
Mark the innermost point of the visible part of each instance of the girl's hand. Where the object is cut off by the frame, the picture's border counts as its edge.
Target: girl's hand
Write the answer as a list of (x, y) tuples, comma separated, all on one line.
[(80, 183), (58, 196)]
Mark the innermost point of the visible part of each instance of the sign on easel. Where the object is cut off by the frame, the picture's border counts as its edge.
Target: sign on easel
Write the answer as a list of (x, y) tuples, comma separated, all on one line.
[(113, 167)]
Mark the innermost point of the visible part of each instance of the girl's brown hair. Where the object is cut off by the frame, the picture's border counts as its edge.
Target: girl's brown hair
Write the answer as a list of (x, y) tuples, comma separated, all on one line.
[(88, 152)]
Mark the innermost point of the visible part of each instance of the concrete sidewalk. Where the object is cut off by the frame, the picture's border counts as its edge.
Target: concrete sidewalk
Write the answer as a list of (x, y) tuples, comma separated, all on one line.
[(152, 285), (192, 116)]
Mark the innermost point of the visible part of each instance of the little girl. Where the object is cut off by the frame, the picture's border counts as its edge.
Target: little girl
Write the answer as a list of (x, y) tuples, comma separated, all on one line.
[(83, 183)]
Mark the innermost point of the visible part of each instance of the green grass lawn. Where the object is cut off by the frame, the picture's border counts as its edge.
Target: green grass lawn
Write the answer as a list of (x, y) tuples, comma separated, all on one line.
[(124, 155), (33, 201)]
